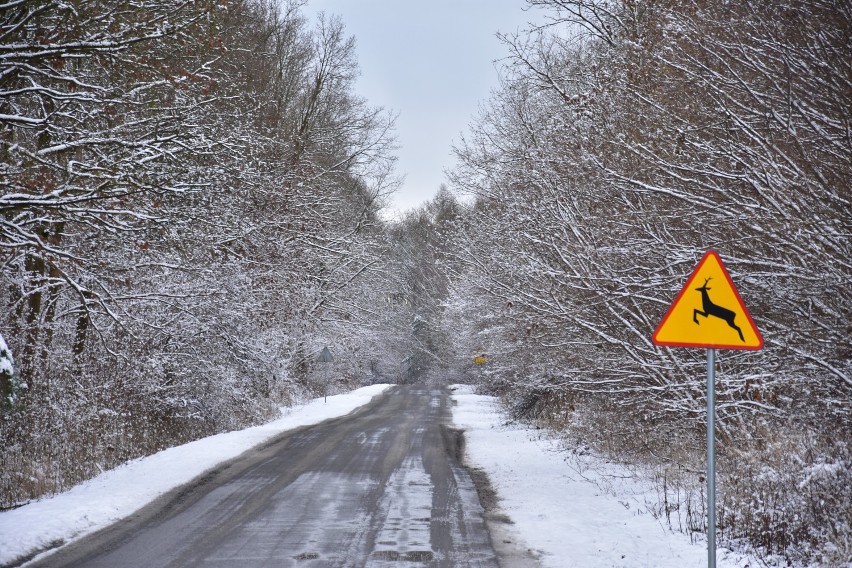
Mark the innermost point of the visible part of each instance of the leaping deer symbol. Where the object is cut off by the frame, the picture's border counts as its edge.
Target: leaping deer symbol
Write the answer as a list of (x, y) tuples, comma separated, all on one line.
[(711, 309)]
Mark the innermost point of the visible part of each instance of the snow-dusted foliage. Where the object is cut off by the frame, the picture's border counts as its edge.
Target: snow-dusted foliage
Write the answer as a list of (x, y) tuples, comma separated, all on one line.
[(8, 386), (188, 214), (423, 264), (627, 139)]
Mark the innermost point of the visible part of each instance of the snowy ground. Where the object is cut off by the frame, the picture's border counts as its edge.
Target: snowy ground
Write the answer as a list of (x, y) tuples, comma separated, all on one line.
[(559, 513), (563, 515), (117, 493)]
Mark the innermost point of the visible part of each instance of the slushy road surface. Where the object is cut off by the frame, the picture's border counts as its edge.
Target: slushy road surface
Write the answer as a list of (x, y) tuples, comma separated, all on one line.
[(378, 488)]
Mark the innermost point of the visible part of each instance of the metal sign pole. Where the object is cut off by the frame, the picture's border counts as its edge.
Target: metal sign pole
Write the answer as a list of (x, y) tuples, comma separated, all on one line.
[(711, 458), (325, 357), (680, 327)]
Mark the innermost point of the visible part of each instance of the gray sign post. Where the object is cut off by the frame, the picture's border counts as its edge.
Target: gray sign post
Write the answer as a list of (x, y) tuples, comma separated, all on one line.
[(325, 357), (711, 458)]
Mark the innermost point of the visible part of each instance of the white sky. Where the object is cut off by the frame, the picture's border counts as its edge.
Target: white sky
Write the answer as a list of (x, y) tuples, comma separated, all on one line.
[(431, 62)]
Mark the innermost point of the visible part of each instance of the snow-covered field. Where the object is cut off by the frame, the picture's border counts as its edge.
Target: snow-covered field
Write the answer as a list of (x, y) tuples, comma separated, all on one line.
[(557, 512), (562, 514), (117, 493)]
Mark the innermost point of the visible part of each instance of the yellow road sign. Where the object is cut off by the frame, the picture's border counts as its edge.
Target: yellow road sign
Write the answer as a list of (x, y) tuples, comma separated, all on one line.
[(708, 312)]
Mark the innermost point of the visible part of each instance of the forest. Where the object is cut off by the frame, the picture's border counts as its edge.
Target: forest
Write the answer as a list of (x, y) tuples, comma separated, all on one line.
[(192, 199)]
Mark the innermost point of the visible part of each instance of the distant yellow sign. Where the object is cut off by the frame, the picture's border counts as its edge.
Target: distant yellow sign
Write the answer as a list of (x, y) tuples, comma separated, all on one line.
[(708, 312), (480, 359)]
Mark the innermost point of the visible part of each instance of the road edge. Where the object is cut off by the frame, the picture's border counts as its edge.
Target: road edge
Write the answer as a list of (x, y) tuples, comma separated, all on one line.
[(511, 551)]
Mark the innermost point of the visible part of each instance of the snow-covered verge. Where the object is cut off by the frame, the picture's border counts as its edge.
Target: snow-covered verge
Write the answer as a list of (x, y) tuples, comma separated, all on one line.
[(117, 493), (559, 510)]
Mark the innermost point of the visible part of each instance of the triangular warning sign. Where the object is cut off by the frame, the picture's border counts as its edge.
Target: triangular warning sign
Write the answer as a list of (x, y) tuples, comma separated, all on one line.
[(708, 312)]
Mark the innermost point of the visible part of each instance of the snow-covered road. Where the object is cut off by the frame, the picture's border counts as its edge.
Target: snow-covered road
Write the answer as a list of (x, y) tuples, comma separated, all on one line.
[(418, 506), (118, 493), (371, 489)]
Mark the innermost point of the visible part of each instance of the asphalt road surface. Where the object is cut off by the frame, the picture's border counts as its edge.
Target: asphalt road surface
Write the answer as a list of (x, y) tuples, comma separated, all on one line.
[(378, 488)]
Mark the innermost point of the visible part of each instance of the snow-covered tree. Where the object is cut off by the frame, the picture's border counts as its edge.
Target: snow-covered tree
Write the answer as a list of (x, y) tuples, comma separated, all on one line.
[(7, 374), (627, 139), (190, 199)]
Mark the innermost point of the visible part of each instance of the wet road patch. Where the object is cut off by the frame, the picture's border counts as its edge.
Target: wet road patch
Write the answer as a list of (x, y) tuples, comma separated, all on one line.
[(410, 556)]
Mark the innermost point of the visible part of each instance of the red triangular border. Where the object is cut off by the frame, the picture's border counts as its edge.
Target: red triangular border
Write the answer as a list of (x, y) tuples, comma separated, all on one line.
[(683, 290)]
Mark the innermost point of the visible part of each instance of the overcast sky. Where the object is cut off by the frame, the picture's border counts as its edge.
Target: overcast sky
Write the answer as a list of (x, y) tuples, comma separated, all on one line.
[(432, 63)]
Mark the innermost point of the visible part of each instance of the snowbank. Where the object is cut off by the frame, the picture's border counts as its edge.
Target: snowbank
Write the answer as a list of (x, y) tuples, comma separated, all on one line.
[(117, 493), (557, 511), (562, 514)]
